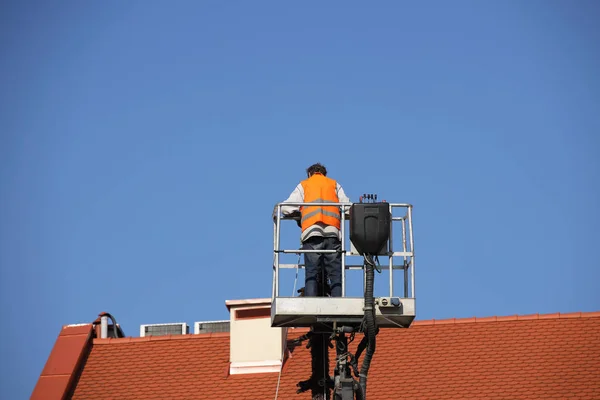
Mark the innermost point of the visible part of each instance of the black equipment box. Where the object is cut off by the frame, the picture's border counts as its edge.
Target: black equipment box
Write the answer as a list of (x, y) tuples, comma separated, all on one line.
[(370, 225)]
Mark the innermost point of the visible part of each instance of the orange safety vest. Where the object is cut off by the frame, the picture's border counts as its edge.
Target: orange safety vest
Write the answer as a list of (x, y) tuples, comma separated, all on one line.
[(320, 189)]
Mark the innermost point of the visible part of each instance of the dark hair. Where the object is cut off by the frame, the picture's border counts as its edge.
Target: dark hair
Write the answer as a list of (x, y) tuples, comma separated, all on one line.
[(316, 168)]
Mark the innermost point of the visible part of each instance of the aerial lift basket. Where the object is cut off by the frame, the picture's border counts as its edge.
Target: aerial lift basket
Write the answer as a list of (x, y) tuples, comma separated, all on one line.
[(371, 228)]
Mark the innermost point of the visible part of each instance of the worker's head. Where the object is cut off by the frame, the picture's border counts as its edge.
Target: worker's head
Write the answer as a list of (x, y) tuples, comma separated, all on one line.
[(316, 169)]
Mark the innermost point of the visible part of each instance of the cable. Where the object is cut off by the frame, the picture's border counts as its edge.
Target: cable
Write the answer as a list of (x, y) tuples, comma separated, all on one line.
[(279, 378), (114, 326), (283, 353), (393, 322), (325, 350), (358, 391), (371, 328), (296, 280), (325, 369), (280, 371)]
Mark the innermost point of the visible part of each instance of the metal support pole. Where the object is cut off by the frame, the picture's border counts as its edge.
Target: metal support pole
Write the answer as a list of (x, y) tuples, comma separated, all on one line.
[(404, 249), (296, 251), (103, 327), (274, 255), (391, 254), (277, 232), (412, 249), (343, 255)]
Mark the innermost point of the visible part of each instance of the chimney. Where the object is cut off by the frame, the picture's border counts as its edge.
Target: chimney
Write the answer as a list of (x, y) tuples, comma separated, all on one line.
[(254, 346)]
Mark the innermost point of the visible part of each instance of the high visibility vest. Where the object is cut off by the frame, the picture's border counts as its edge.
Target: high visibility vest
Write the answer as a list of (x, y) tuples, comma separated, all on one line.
[(320, 189)]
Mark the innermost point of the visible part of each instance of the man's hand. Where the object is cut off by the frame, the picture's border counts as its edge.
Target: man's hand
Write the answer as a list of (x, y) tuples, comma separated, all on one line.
[(295, 215)]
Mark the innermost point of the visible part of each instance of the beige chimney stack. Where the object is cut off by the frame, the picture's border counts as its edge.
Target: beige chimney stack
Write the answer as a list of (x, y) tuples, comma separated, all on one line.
[(254, 347)]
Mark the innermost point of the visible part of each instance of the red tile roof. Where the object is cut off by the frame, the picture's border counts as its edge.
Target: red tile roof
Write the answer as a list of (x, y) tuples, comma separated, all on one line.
[(553, 356)]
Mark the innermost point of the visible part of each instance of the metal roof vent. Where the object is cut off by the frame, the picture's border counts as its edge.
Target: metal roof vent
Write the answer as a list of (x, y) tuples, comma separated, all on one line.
[(178, 328), (211, 326)]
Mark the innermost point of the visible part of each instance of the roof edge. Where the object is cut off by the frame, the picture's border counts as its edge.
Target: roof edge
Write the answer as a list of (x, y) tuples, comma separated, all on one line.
[(516, 317), (248, 302), (64, 363)]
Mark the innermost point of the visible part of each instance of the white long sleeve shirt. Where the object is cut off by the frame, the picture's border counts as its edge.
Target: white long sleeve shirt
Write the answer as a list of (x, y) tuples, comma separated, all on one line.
[(317, 229)]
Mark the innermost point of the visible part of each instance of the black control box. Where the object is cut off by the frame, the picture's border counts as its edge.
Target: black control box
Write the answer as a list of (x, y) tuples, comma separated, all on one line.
[(370, 225)]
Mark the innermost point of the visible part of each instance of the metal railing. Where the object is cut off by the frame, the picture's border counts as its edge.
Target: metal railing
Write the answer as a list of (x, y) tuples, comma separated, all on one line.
[(407, 254)]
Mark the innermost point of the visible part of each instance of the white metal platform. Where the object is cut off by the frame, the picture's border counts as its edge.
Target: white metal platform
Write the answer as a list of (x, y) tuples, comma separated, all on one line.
[(311, 311)]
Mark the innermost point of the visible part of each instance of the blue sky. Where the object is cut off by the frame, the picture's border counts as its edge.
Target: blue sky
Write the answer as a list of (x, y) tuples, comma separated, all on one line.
[(144, 144)]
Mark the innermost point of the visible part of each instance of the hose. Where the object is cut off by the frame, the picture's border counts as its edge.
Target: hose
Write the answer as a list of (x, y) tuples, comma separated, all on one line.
[(358, 391), (114, 326), (370, 323), (360, 348), (114, 321)]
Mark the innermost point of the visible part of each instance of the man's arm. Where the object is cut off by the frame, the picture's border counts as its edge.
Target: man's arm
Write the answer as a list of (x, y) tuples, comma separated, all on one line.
[(342, 195), (297, 196), (343, 198)]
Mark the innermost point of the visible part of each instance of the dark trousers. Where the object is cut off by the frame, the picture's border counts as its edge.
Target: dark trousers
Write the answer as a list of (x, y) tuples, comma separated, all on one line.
[(317, 263)]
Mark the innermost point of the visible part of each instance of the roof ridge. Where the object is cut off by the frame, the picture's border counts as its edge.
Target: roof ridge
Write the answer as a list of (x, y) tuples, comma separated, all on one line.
[(137, 339), (516, 317), (134, 339)]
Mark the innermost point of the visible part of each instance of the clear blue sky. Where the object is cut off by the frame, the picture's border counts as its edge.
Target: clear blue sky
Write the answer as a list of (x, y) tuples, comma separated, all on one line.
[(144, 144)]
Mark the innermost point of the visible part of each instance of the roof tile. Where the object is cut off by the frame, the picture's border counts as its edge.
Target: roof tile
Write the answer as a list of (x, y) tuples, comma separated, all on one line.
[(571, 315), (465, 320), (549, 316)]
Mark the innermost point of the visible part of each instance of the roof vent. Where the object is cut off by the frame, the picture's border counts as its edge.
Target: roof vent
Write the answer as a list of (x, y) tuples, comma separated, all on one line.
[(178, 328), (211, 326)]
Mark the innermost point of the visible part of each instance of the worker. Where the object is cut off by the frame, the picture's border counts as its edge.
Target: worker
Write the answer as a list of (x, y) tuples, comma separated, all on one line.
[(320, 227)]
